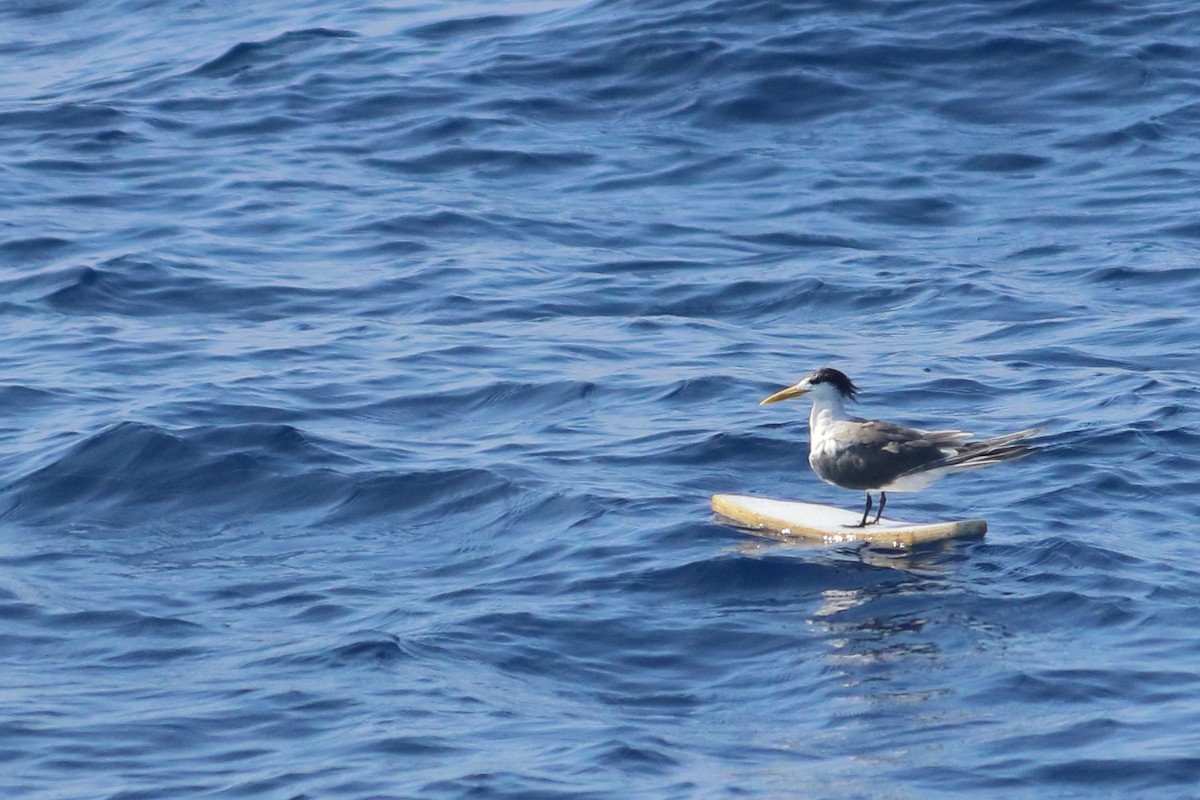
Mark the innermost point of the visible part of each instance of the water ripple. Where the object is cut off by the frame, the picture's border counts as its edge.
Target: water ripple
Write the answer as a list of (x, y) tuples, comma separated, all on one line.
[(367, 369)]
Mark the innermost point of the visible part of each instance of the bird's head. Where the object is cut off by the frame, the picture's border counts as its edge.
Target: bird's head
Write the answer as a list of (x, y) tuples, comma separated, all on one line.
[(823, 384)]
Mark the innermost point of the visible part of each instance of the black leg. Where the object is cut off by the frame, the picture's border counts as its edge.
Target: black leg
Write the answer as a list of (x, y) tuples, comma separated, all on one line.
[(866, 511), (882, 503)]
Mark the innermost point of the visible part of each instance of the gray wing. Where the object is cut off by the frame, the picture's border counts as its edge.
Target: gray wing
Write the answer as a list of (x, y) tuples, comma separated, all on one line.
[(868, 454)]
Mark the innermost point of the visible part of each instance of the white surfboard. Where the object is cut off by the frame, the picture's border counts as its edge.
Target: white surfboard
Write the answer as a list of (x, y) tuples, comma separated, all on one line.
[(795, 520)]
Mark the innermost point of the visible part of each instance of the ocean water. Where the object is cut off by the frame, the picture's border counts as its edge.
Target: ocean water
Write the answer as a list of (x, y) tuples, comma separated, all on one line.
[(365, 371)]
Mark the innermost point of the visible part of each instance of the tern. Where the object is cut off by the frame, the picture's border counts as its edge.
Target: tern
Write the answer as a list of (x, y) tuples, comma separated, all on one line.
[(877, 456)]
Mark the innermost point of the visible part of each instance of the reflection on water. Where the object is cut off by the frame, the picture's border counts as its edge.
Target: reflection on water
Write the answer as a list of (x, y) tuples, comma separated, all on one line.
[(929, 557), (894, 681)]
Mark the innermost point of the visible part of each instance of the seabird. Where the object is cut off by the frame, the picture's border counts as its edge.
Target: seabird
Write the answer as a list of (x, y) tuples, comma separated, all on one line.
[(877, 456)]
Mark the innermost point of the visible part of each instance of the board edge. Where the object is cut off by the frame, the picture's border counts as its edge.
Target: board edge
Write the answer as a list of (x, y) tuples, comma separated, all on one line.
[(726, 505)]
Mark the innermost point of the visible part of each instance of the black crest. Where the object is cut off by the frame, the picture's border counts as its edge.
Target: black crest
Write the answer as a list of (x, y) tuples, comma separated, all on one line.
[(837, 378)]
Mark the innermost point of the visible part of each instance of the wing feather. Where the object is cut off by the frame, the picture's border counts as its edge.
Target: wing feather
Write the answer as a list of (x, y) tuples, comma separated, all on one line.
[(868, 454)]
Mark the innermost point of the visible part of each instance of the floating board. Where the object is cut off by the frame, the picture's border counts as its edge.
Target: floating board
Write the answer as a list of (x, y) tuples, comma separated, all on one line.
[(828, 524)]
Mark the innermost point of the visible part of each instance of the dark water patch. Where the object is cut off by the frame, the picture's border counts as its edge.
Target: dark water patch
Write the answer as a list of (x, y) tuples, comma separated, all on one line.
[(233, 414), (38, 559), (697, 449), (1129, 774), (23, 399), (541, 108), (1065, 736), (67, 166), (435, 131), (489, 162), (1062, 556), (323, 613), (367, 651), (1021, 331), (264, 126), (17, 648), (1130, 277), (124, 623), (652, 758), (1049, 11), (65, 116), (388, 249), (171, 109), (1189, 230), (134, 287), (252, 589), (1040, 252), (301, 598), (133, 471), (1086, 611), (370, 649), (661, 57), (516, 400), (800, 242), (986, 109), (1067, 356), (435, 223), (387, 105), (1068, 686), (247, 57), (505, 785), (617, 664), (282, 447), (649, 266), (744, 299), (718, 170), (420, 746), (86, 472), (106, 141), (1119, 139), (151, 657), (422, 495), (781, 99), (731, 579), (952, 390), (1005, 163), (40, 9), (919, 211), (464, 26), (37, 248), (694, 390)]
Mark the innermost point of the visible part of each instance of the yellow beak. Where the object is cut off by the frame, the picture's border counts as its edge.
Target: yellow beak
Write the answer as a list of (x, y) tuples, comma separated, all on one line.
[(798, 390)]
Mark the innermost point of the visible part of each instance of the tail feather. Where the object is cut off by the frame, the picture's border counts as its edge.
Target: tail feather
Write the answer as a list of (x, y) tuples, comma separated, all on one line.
[(985, 452)]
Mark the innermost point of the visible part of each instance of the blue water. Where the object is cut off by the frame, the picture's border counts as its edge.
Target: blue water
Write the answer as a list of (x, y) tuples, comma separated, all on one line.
[(365, 371)]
